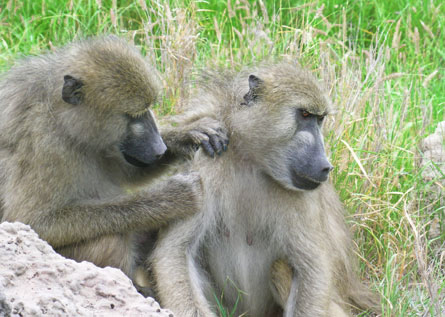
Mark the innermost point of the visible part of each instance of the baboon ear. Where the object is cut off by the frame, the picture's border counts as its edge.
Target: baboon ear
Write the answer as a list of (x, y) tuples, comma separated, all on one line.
[(71, 90), (255, 84)]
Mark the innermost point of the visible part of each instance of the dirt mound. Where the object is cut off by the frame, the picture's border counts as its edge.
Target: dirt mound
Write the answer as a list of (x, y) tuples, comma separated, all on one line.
[(36, 281)]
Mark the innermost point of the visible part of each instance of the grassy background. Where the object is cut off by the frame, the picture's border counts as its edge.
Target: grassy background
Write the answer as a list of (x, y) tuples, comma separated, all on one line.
[(383, 63)]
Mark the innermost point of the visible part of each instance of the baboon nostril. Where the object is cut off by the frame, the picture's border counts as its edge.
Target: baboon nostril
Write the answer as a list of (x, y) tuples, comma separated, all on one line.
[(159, 154), (328, 169), (325, 172)]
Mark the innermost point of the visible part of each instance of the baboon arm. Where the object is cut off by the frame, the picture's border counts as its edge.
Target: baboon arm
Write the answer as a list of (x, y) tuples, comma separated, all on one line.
[(179, 283), (310, 287), (290, 307), (150, 208)]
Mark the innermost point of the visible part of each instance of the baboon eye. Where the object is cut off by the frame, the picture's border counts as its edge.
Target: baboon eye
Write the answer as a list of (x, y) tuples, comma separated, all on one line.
[(305, 114), (320, 119)]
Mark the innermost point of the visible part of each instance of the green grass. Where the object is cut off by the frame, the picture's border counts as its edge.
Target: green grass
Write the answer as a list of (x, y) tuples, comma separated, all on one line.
[(219, 299), (383, 63)]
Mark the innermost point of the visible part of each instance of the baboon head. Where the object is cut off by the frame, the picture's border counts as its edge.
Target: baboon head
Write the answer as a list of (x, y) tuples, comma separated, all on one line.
[(281, 117), (106, 98)]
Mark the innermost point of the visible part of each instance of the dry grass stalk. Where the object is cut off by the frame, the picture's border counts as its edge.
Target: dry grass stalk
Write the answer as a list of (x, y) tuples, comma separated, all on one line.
[(422, 260)]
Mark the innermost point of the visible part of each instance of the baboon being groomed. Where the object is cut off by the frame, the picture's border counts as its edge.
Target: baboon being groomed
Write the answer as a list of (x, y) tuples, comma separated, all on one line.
[(77, 138), (270, 239)]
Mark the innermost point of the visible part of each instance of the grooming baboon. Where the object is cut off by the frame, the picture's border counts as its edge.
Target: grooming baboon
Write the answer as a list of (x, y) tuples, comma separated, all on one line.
[(266, 203), (76, 135)]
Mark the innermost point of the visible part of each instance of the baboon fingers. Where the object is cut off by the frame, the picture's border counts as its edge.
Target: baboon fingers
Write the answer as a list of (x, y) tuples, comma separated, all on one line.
[(213, 141), (208, 148), (216, 143), (198, 136), (211, 135), (224, 138)]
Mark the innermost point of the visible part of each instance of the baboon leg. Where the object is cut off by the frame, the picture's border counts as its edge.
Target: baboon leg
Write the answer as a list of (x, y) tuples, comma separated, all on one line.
[(299, 299), (290, 307), (110, 250), (310, 287), (281, 281), (179, 282), (336, 310)]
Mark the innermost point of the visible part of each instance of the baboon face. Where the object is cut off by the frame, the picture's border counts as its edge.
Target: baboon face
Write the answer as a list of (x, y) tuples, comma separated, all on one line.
[(112, 112), (288, 122), (307, 163)]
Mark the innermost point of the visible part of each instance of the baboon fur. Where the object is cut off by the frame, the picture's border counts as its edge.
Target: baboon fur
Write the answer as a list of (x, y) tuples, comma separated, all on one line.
[(261, 245), (65, 118)]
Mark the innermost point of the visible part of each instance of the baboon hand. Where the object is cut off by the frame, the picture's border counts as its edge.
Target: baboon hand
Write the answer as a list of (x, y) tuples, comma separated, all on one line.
[(187, 191), (210, 134)]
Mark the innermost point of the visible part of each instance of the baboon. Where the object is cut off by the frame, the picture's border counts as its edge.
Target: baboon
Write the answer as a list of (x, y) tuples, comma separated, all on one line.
[(78, 141), (270, 239)]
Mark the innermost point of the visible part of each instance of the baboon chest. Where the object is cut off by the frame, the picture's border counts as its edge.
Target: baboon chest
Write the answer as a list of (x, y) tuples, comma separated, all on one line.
[(240, 260), (244, 243)]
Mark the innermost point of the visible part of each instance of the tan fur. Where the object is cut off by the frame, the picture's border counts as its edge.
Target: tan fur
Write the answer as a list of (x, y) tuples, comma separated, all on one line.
[(61, 170), (281, 281), (281, 250)]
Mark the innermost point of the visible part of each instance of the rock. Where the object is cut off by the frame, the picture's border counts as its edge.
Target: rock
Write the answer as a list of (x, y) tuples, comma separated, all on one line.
[(433, 164), (36, 281), (433, 160)]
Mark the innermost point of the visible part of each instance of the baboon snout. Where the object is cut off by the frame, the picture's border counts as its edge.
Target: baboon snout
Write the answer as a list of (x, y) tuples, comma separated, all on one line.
[(150, 150), (317, 166), (317, 170), (142, 153), (143, 150), (159, 149), (310, 169), (310, 165), (143, 145)]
